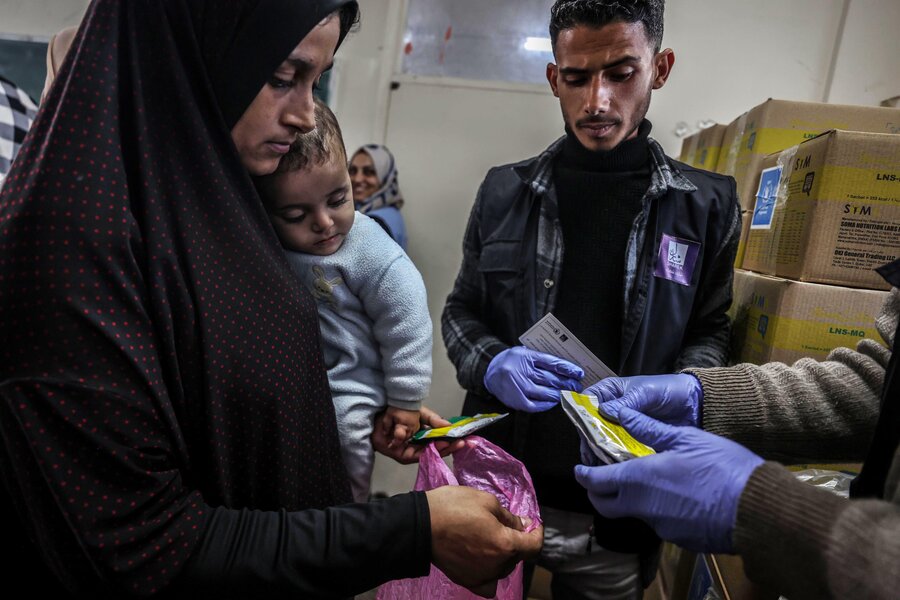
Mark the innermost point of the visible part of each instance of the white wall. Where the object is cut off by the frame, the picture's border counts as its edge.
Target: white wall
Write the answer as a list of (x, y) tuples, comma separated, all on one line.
[(362, 73), (731, 55), (867, 65), (444, 139)]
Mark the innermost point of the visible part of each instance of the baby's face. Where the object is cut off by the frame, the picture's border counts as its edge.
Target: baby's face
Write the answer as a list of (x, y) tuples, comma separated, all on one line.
[(312, 209)]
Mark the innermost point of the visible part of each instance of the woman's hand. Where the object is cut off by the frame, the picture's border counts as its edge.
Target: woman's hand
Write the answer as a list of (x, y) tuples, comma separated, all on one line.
[(475, 541), (407, 453)]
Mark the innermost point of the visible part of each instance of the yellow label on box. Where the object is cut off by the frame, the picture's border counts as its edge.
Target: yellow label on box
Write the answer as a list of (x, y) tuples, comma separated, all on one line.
[(803, 335), (848, 184), (771, 139), (708, 157)]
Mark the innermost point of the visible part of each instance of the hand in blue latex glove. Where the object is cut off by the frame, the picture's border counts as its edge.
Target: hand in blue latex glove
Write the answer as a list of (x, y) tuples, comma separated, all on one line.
[(674, 399), (530, 381), (688, 492)]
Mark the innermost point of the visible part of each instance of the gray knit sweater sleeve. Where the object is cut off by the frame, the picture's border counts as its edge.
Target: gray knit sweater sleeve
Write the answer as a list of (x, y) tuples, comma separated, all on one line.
[(810, 411), (799, 540), (807, 543)]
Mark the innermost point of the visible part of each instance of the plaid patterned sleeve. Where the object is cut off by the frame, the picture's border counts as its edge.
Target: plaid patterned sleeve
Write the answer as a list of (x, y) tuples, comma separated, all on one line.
[(708, 335), (17, 111), (470, 343)]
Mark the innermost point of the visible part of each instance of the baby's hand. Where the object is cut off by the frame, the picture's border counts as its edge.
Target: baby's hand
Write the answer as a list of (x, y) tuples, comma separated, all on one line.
[(399, 425)]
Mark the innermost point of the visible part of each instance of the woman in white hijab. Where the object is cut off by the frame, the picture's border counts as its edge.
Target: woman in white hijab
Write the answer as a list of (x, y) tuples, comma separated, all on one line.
[(376, 192)]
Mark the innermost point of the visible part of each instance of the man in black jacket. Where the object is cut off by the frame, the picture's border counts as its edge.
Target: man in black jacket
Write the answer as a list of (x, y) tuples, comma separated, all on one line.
[(630, 250)]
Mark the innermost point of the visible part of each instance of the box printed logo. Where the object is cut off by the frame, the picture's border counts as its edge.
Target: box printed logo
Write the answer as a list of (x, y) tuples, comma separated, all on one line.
[(766, 195), (763, 325), (808, 182), (676, 259)]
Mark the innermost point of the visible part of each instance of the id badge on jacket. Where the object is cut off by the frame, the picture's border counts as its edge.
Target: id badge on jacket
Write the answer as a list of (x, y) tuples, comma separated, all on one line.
[(676, 259)]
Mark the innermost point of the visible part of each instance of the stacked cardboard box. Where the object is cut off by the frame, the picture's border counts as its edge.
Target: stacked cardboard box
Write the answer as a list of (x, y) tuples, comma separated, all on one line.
[(776, 125), (709, 147), (746, 217), (689, 148), (828, 210), (730, 145), (684, 575), (702, 149), (822, 210), (705, 150), (782, 320)]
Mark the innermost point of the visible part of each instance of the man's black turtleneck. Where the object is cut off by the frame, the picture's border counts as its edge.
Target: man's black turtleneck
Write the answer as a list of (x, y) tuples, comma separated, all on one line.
[(599, 195)]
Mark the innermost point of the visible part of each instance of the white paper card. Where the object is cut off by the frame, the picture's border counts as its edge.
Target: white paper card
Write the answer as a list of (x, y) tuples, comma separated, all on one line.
[(550, 336)]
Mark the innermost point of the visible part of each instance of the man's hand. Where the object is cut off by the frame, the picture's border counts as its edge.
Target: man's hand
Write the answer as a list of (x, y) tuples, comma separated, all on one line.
[(688, 492), (406, 454), (474, 540), (674, 399), (530, 381)]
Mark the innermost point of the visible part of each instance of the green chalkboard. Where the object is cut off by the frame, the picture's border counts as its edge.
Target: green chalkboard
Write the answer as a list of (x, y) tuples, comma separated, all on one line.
[(25, 64)]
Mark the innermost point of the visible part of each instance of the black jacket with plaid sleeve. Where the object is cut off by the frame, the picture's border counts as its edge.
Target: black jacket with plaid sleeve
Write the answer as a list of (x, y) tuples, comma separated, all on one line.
[(513, 257)]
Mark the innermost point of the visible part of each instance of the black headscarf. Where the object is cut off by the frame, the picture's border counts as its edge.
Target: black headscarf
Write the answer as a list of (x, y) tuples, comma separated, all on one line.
[(159, 357)]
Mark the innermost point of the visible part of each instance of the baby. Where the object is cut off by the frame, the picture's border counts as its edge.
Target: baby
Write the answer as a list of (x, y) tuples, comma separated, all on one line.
[(373, 309)]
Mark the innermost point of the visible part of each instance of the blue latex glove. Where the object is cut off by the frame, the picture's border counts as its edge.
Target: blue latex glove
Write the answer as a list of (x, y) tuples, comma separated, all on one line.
[(688, 492), (530, 381), (673, 399)]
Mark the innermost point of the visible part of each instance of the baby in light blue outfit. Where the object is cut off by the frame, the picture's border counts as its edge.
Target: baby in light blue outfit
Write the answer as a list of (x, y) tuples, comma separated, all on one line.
[(373, 309)]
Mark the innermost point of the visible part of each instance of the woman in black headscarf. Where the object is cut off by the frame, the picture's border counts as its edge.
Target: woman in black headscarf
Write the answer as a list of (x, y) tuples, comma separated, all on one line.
[(164, 409)]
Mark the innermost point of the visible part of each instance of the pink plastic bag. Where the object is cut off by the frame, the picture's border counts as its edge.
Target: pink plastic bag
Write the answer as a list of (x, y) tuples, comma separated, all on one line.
[(483, 466)]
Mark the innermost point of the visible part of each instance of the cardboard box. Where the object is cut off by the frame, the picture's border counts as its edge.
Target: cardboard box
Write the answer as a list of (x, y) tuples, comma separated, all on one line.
[(728, 577), (675, 568), (767, 229), (828, 210), (702, 585), (689, 148), (740, 293), (776, 125), (709, 147), (742, 245), (782, 320), (738, 312), (684, 575), (731, 144)]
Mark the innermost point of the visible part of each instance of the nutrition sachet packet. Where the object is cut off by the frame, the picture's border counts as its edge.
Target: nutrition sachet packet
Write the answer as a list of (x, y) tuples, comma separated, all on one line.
[(459, 427), (607, 440)]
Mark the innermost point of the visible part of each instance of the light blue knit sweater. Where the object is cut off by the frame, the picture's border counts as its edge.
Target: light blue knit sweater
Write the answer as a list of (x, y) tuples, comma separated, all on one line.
[(373, 311), (376, 332)]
